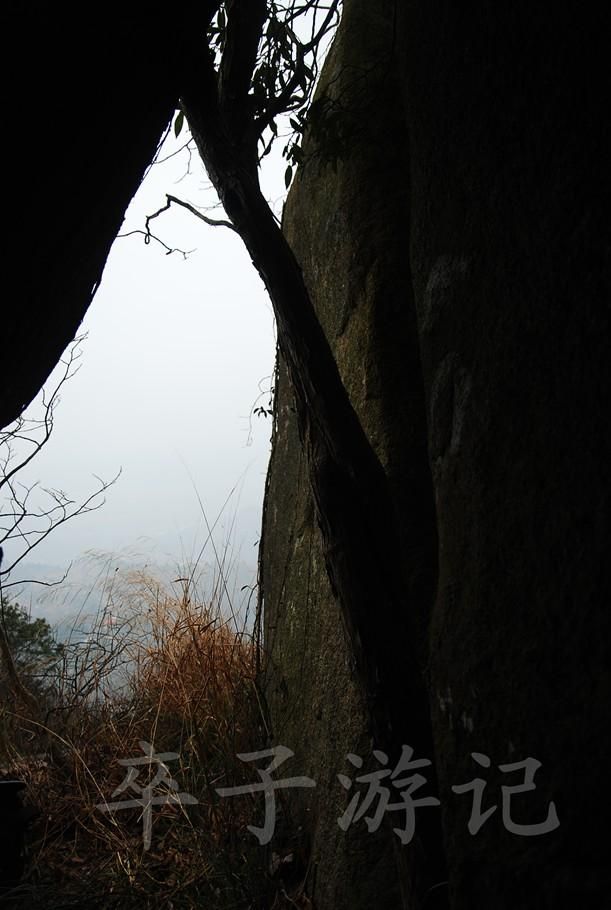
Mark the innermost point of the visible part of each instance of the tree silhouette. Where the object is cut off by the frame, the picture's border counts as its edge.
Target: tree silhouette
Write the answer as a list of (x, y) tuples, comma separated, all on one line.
[(251, 68)]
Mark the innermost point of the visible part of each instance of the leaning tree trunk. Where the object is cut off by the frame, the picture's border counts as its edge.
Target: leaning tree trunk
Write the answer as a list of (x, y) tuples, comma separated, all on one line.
[(350, 488)]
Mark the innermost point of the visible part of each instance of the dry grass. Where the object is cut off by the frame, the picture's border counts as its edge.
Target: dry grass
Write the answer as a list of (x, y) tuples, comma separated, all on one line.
[(167, 669)]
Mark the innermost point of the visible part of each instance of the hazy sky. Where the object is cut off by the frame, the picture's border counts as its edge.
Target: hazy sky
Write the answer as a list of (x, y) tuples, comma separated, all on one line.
[(176, 356)]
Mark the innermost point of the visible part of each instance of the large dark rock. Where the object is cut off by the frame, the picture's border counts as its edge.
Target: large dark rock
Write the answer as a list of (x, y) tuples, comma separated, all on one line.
[(458, 256), (14, 818), (86, 96), (346, 221), (510, 257)]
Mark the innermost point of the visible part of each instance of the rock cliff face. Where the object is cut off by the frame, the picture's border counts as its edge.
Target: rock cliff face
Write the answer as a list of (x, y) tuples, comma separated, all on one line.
[(346, 220), (101, 90), (450, 226)]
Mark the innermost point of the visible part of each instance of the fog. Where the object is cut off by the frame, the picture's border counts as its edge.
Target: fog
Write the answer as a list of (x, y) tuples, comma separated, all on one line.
[(178, 353)]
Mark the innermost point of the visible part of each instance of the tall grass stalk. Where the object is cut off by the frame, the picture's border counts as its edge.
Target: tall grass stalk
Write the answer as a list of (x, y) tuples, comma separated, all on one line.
[(170, 668)]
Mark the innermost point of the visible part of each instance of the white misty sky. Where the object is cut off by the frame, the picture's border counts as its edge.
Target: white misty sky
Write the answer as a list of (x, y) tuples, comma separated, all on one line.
[(176, 355)]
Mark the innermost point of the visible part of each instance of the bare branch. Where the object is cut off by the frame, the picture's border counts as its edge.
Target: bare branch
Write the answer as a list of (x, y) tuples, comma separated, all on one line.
[(213, 222), (24, 524), (174, 154), (46, 422), (148, 236), (37, 581), (58, 515)]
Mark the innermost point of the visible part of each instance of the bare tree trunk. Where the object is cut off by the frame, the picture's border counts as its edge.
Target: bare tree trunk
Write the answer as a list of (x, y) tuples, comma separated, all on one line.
[(350, 489), (21, 692)]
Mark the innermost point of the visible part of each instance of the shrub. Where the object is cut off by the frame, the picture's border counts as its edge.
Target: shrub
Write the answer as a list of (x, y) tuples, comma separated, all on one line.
[(174, 672)]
